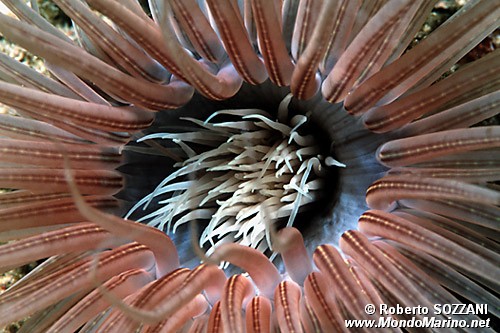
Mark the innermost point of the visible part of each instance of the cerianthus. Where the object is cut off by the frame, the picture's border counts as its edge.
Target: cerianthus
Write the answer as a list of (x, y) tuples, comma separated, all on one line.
[(249, 166)]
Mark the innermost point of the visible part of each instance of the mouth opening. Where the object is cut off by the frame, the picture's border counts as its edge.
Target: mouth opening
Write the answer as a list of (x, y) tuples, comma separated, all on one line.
[(234, 169)]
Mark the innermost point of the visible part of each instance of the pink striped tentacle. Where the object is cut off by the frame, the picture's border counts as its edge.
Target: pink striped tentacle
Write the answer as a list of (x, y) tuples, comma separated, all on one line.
[(323, 303), (439, 71), (477, 79), (460, 116), (76, 84), (344, 18), (466, 243), (49, 266), (199, 279), (44, 180), (372, 289), (249, 22), (149, 95), (28, 232), (221, 86), (369, 50), (86, 43), (142, 30), (30, 15), (304, 80), (367, 10), (471, 159), (82, 237), (308, 319), (136, 7), (146, 298), (92, 326), (157, 291), (287, 305), (71, 80), (289, 10), (9, 199), (29, 129), (449, 224), (105, 320), (307, 12), (100, 319), (175, 322), (126, 55), (274, 322), (25, 76), (476, 175), (196, 307), (290, 244), (160, 244), (213, 291), (236, 41), (412, 29), (92, 304), (341, 280), (366, 283), (384, 192), (237, 291), (258, 315), (199, 325), (271, 44), (390, 226), (47, 154), (197, 27), (179, 32), (427, 286), (41, 321), (109, 314), (451, 279), (51, 106), (432, 56), (48, 212), (215, 319), (87, 133), (262, 271), (71, 279), (486, 216), (363, 252)]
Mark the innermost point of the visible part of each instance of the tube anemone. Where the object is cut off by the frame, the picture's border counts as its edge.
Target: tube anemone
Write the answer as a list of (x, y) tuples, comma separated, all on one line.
[(293, 162)]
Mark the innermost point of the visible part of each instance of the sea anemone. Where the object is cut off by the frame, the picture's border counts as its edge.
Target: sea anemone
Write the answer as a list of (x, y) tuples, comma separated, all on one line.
[(291, 162)]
